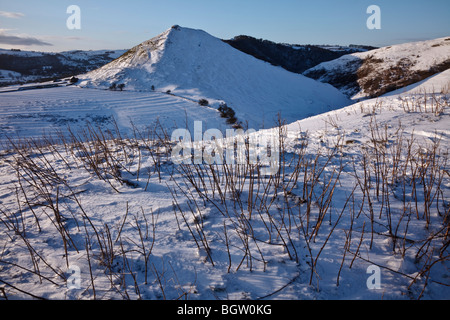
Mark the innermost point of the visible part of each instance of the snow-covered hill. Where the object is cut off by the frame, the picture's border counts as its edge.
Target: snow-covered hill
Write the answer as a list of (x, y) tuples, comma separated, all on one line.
[(193, 64), (376, 72)]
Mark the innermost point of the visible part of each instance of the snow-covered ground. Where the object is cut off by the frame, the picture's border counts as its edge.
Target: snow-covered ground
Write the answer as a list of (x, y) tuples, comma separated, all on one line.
[(358, 210), (31, 113)]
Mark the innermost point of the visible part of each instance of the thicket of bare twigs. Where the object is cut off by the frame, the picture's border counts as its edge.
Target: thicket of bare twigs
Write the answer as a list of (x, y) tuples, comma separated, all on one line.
[(397, 183)]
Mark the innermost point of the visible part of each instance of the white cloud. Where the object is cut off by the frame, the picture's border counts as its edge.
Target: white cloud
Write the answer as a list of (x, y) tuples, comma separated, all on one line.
[(21, 40), (13, 15)]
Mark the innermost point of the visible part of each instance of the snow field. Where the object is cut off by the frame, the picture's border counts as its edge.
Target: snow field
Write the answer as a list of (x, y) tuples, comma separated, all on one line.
[(33, 113)]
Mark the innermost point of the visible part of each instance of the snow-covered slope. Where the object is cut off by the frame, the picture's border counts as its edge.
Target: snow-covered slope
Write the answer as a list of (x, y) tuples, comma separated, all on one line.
[(375, 72), (193, 64)]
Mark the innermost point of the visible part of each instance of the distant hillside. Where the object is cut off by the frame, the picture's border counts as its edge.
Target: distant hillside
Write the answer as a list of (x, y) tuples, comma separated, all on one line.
[(294, 58), (27, 66), (376, 72)]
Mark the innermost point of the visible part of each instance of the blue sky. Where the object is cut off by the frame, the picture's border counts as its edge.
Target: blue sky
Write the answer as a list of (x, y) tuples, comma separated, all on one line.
[(111, 24)]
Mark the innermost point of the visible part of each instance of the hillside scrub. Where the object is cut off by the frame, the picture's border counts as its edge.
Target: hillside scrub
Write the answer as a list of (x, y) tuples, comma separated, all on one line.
[(376, 72), (376, 83)]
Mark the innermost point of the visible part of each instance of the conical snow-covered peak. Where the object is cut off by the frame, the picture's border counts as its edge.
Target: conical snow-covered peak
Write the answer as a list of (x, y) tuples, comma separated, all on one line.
[(144, 53), (180, 47), (196, 65), (150, 51)]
